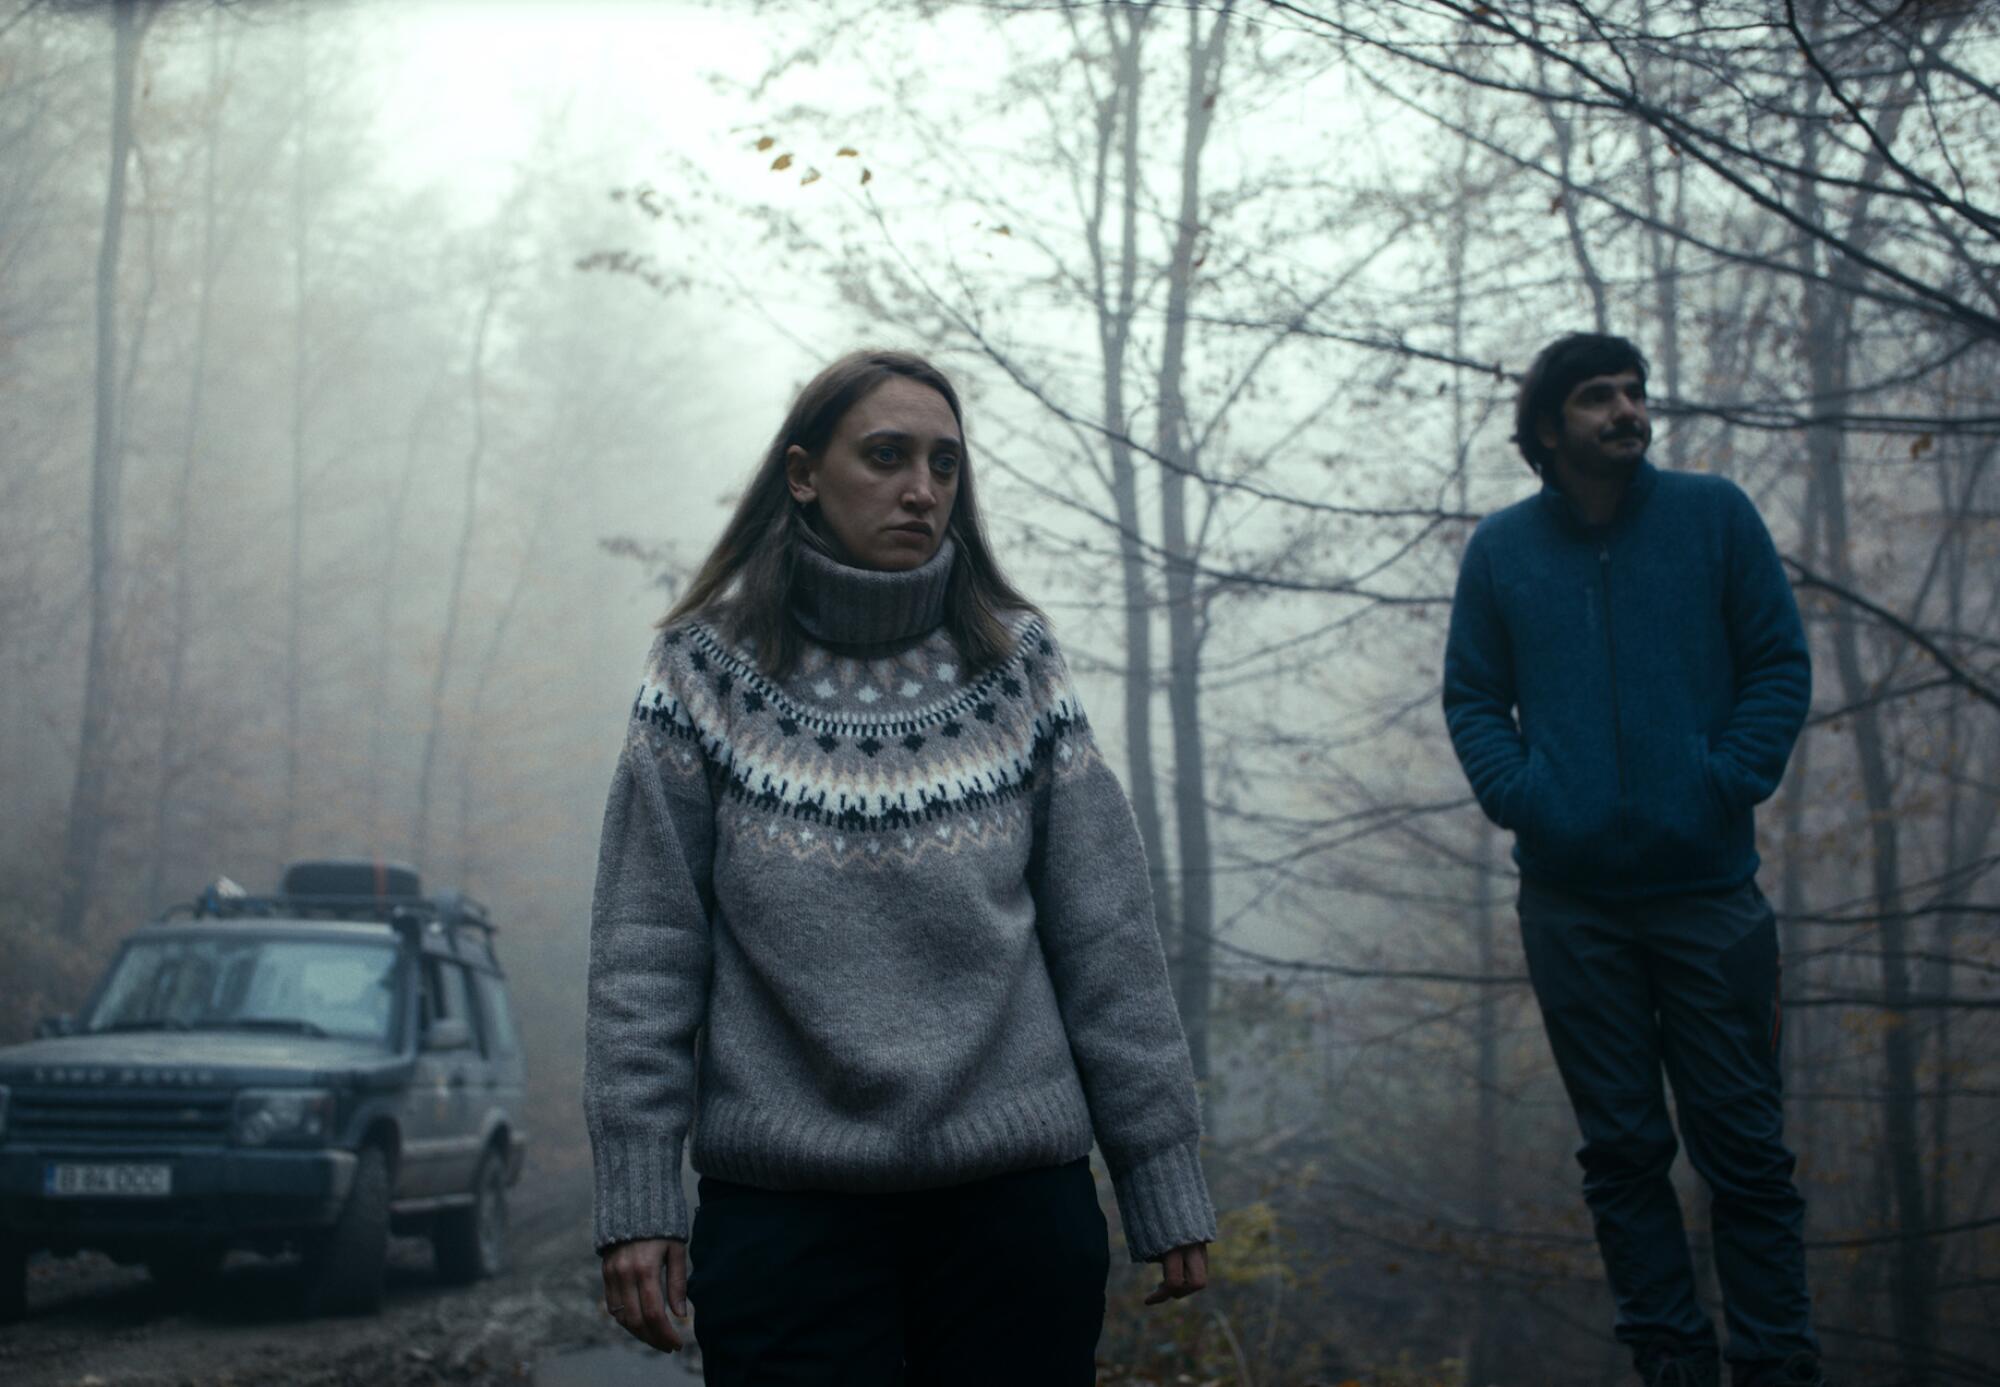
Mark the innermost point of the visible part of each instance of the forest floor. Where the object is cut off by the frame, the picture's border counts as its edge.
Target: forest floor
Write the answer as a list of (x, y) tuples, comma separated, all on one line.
[(92, 1323)]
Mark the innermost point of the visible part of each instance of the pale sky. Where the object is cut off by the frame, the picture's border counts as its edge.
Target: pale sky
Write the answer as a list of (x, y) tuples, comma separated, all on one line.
[(470, 80)]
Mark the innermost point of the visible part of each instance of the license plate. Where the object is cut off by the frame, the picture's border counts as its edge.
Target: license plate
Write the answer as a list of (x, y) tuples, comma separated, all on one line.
[(65, 1181)]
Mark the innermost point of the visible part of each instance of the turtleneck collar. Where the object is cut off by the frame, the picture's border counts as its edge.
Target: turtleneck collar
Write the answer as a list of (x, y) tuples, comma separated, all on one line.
[(1644, 475), (838, 605)]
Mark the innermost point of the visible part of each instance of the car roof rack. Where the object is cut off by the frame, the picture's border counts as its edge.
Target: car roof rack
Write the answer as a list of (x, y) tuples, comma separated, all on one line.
[(325, 890), (445, 907)]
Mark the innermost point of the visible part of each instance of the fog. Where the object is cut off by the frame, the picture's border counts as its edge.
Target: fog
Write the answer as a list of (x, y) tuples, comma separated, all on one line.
[(371, 375)]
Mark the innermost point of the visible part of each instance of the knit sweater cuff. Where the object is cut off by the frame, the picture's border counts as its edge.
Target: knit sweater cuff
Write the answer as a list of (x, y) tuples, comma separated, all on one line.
[(638, 1189), (1163, 1202)]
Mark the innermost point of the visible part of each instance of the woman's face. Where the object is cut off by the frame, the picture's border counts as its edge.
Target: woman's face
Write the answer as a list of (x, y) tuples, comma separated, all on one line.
[(886, 480)]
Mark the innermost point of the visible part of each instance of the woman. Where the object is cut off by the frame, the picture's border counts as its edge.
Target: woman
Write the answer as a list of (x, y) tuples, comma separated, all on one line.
[(861, 843)]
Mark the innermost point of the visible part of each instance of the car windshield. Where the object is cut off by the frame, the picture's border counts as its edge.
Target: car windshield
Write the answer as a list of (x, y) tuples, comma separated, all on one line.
[(315, 987)]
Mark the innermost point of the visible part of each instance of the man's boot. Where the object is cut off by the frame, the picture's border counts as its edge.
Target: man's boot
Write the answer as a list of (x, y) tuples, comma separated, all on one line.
[(1667, 1361), (1799, 1370)]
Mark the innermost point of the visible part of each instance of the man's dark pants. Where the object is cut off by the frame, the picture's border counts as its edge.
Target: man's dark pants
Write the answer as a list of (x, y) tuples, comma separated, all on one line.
[(1688, 983)]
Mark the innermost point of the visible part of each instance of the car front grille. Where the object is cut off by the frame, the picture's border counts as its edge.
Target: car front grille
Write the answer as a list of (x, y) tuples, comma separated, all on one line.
[(119, 1117)]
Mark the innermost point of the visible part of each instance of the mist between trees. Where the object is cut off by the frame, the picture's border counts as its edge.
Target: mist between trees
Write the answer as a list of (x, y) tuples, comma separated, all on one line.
[(338, 493)]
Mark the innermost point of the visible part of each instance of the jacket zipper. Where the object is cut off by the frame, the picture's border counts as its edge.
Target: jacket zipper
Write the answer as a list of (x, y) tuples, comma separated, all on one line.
[(1611, 665)]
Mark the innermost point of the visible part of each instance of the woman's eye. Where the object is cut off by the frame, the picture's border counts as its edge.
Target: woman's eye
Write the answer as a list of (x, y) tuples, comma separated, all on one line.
[(883, 452), (944, 462)]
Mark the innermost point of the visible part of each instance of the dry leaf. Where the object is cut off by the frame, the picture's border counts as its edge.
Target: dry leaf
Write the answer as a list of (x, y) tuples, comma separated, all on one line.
[(867, 177), (765, 144), (812, 176), (847, 151), (781, 163)]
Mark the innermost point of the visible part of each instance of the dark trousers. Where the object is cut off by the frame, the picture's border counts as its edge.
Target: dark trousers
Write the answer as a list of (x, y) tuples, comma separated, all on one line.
[(1688, 983), (997, 1281)]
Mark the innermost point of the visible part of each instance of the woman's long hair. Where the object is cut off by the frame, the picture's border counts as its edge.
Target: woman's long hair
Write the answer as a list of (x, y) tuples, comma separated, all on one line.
[(746, 580)]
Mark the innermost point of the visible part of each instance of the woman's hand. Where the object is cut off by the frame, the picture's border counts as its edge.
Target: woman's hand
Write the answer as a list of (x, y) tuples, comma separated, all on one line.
[(1182, 1272), (632, 1289)]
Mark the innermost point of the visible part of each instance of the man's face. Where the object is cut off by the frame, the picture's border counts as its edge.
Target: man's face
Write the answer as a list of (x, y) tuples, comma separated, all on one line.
[(1603, 430)]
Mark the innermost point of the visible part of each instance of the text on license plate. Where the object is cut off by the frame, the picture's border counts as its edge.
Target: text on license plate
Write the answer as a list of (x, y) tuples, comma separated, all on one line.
[(107, 1181)]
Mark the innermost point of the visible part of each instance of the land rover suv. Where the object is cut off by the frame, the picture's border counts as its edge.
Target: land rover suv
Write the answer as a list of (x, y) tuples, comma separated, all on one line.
[(306, 1071)]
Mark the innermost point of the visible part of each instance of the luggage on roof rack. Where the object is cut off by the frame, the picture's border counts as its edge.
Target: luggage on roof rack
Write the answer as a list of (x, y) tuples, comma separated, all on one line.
[(350, 876)]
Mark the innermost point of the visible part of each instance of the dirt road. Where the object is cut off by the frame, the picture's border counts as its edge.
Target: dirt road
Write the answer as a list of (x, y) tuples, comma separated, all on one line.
[(92, 1323)]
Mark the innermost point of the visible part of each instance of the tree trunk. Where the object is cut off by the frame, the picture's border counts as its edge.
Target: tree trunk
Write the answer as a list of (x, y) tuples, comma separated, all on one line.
[(1121, 116), (288, 817), (180, 619), (1792, 889), (1483, 1361), (1968, 827), (1827, 332), (1184, 619), (389, 597), (1483, 1356), (1913, 1305), (1565, 140), (1797, 1028), (84, 833), (1579, 245), (420, 835), (1663, 253), (525, 567)]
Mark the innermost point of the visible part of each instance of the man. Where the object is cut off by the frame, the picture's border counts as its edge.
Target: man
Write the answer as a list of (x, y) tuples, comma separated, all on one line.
[(1641, 625)]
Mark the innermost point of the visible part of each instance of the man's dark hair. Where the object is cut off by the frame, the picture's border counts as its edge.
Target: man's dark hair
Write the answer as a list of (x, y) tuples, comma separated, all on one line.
[(1558, 369)]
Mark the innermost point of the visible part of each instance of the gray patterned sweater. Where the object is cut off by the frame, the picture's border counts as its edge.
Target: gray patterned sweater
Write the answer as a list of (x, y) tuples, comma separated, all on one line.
[(904, 908)]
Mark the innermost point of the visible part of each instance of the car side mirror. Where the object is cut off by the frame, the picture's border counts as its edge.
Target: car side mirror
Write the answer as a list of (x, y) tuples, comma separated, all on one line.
[(50, 1026), (448, 1033)]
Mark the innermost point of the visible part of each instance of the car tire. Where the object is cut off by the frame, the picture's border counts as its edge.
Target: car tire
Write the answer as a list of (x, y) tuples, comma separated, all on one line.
[(185, 1271), (344, 1264), (471, 1243), (13, 1281)]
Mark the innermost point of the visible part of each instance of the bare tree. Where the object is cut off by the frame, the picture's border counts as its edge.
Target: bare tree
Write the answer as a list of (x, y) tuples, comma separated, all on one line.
[(84, 836), (420, 831), (295, 619), (181, 618)]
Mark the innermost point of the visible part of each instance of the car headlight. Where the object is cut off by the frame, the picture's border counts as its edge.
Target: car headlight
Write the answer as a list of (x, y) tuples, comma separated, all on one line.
[(277, 1116)]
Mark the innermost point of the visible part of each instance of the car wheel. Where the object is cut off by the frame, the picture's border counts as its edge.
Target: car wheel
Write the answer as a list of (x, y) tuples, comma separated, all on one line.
[(471, 1243), (344, 1264), (13, 1281), (185, 1271)]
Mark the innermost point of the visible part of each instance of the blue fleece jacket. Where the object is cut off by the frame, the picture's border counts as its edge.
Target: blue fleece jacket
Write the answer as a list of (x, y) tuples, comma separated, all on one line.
[(1660, 673)]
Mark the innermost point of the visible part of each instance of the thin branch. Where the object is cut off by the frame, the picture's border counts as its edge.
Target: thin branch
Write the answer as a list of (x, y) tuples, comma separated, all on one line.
[(1957, 673)]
